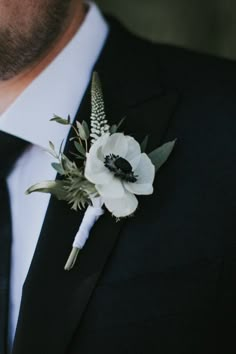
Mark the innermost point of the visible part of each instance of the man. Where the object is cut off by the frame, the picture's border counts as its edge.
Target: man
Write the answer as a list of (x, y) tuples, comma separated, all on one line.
[(162, 281)]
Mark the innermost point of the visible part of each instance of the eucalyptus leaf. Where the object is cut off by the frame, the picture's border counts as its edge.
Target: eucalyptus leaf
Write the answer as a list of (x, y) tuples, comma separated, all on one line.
[(80, 148), (73, 138), (77, 156), (51, 146), (82, 132), (144, 143), (60, 120), (58, 167), (160, 155), (60, 149), (86, 129), (55, 188), (51, 152), (113, 129), (121, 122), (66, 163)]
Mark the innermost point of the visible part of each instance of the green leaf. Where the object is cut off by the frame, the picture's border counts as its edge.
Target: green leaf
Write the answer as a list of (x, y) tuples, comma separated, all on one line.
[(60, 149), (80, 148), (51, 151), (60, 120), (51, 146), (82, 132), (121, 122), (160, 155), (78, 157), (67, 165), (113, 129), (144, 143), (55, 188), (58, 167), (86, 129)]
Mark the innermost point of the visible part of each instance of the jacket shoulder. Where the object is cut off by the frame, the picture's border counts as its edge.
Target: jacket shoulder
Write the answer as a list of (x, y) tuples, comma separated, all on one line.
[(187, 69), (175, 66)]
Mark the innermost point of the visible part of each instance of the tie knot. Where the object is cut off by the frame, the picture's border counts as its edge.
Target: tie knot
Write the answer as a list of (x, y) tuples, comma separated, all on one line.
[(11, 148)]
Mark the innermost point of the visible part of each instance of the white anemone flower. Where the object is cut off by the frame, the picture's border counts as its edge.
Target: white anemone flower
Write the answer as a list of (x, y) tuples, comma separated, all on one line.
[(119, 170)]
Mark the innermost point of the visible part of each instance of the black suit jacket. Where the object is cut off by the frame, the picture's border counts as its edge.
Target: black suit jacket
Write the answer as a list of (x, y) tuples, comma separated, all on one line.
[(163, 281)]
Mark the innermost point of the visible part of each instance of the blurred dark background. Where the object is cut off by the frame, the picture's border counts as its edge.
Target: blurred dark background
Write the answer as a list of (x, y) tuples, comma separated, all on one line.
[(204, 25)]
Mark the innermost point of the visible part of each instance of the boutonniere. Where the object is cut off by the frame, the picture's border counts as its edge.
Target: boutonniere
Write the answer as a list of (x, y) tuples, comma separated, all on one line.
[(109, 170)]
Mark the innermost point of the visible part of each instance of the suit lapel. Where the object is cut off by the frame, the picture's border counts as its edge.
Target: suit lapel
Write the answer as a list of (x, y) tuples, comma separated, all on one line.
[(53, 300)]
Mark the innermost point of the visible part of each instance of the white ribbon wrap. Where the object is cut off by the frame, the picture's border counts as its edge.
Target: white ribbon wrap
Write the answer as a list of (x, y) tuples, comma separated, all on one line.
[(91, 215)]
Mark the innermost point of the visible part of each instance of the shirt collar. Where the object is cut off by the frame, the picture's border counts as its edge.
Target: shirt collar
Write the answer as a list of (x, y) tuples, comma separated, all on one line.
[(59, 89)]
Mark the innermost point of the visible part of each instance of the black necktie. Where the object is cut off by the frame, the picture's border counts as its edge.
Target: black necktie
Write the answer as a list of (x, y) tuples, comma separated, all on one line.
[(10, 149)]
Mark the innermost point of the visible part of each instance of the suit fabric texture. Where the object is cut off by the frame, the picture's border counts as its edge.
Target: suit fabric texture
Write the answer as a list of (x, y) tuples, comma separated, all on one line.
[(162, 281)]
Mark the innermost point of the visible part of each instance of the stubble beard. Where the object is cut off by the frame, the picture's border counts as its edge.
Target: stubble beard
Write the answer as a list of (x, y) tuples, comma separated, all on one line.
[(20, 48)]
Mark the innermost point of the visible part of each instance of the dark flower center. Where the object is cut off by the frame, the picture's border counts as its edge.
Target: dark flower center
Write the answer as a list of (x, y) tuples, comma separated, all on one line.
[(123, 165), (120, 167)]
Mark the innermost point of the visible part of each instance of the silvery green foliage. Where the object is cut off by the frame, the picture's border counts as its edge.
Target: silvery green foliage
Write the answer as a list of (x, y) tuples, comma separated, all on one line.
[(74, 188), (160, 155), (98, 119)]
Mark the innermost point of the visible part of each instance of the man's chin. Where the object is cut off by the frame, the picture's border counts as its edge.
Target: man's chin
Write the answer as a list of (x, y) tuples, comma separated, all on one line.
[(23, 44)]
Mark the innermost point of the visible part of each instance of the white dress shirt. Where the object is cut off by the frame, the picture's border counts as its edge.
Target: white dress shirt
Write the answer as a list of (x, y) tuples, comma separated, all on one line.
[(59, 90)]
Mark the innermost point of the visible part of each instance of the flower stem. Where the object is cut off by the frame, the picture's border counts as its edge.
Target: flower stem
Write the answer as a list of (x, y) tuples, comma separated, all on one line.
[(72, 258)]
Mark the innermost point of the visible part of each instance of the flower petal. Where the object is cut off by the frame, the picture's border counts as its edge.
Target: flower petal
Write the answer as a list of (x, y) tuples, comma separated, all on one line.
[(134, 149), (146, 173), (139, 188), (116, 144), (114, 189), (95, 171), (135, 162), (145, 170), (122, 207), (94, 151)]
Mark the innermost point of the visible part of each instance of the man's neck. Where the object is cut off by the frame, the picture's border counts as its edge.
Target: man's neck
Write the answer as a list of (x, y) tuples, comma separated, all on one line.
[(11, 89)]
